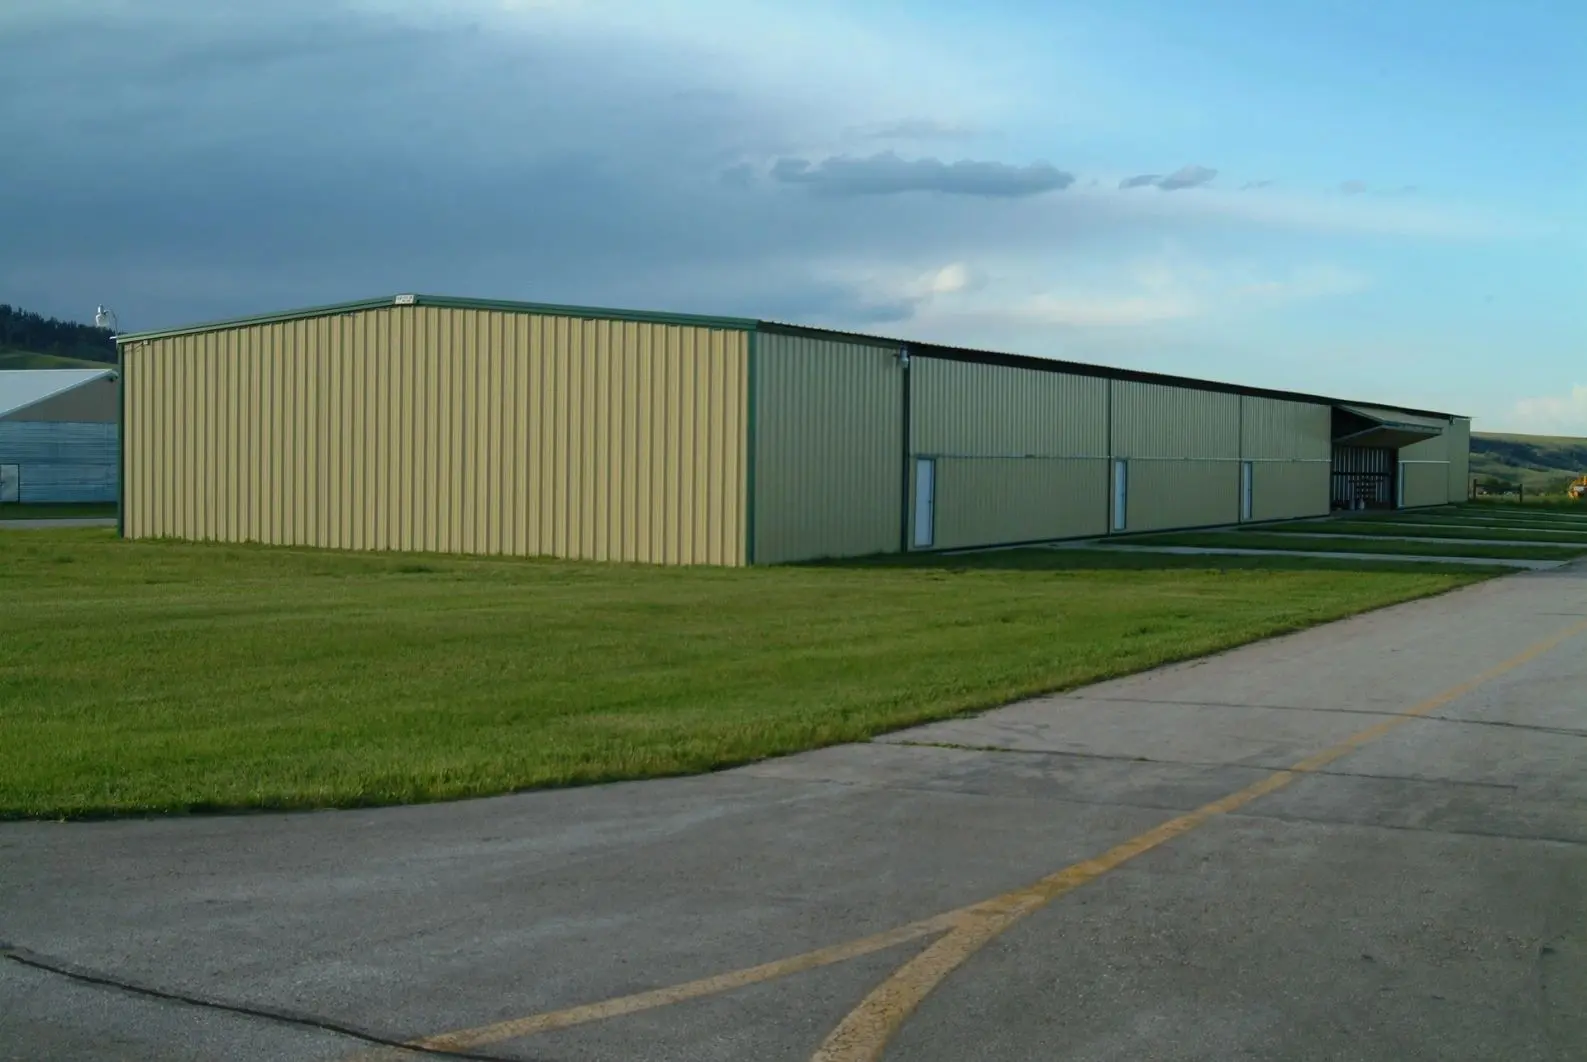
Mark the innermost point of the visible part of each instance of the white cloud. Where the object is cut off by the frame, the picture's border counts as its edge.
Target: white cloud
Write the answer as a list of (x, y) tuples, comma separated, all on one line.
[(575, 151), (1561, 414), (1300, 211), (1308, 282), (1105, 310), (950, 280), (1012, 294)]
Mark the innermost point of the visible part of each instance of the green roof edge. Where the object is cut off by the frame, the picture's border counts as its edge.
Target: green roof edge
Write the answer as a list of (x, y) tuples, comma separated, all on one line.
[(1039, 363), (745, 324), (445, 302)]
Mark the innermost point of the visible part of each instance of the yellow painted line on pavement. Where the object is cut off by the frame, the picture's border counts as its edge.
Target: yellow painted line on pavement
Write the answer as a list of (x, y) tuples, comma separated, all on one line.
[(463, 1039), (863, 1034)]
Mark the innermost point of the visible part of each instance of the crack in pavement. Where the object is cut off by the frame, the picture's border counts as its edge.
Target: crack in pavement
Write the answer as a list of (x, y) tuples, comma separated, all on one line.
[(1566, 731), (1121, 758), (61, 968)]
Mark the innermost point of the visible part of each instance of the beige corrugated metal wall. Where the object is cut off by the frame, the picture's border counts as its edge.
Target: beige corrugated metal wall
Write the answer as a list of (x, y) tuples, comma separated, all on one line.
[(1021, 454), (1426, 483), (1183, 450), (995, 500), (829, 441), (1428, 471), (451, 430), (1290, 447), (1287, 490)]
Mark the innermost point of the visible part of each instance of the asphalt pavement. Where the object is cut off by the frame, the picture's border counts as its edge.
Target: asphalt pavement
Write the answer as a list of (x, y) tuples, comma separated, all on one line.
[(1366, 841)]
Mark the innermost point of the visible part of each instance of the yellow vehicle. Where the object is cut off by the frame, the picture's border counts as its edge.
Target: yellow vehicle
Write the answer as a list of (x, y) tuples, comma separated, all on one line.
[(1578, 488)]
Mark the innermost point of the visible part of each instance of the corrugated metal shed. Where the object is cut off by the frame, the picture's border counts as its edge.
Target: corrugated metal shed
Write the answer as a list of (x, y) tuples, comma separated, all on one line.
[(425, 422), (60, 461), (47, 453), (444, 428)]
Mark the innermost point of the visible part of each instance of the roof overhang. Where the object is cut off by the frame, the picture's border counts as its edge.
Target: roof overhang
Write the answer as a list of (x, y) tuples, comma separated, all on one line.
[(1386, 429)]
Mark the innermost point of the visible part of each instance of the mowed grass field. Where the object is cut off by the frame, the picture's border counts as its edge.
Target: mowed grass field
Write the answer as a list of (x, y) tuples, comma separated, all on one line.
[(166, 677), (58, 511)]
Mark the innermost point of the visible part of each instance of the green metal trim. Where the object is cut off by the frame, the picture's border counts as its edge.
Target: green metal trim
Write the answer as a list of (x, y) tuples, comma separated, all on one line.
[(744, 324), (1073, 368), (121, 441), (751, 444), (1112, 493), (261, 319), (449, 302), (907, 460)]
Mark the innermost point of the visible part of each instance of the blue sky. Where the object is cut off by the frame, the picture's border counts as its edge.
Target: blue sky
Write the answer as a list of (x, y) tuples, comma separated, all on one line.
[(1381, 200)]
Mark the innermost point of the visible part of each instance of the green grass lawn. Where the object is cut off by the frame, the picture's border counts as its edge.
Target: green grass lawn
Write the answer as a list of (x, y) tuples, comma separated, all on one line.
[(159, 677), (61, 511), (23, 359), (1452, 530), (1271, 540)]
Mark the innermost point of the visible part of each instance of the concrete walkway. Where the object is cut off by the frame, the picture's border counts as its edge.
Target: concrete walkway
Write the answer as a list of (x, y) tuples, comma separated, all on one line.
[(1367, 841), (1487, 562), (1429, 539), (1484, 527)]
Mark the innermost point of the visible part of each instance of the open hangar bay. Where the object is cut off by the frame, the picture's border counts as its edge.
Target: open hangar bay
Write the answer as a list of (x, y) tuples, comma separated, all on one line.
[(439, 424)]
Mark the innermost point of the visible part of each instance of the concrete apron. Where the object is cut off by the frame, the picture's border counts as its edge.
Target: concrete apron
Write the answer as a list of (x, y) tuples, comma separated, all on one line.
[(1491, 562)]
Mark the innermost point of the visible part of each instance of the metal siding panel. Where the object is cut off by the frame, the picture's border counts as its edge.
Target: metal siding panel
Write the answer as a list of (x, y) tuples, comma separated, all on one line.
[(1434, 449), (652, 458), (406, 418), (637, 423), (1279, 430), (1426, 483), (1282, 490), (131, 422), (1459, 460), (1153, 420), (828, 448), (1166, 494), (961, 408), (61, 461), (997, 500), (445, 429)]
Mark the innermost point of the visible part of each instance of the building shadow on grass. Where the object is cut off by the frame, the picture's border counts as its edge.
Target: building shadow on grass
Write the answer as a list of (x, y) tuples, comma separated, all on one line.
[(1070, 558)]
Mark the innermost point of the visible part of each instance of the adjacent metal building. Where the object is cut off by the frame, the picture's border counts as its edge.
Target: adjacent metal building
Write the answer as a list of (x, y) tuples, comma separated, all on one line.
[(58, 435), (452, 425)]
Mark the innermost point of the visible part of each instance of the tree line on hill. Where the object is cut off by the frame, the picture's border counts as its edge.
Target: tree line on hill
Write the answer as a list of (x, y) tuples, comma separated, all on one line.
[(33, 332), (1539, 464)]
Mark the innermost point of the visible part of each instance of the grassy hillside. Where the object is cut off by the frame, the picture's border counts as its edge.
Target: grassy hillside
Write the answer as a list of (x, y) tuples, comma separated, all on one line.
[(1540, 463), (22, 359)]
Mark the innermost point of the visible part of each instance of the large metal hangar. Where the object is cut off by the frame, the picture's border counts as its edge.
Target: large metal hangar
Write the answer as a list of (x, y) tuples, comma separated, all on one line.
[(456, 425)]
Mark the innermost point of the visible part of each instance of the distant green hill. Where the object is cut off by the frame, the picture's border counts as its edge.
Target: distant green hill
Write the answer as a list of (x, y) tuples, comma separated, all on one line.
[(1541, 463), (24, 359)]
